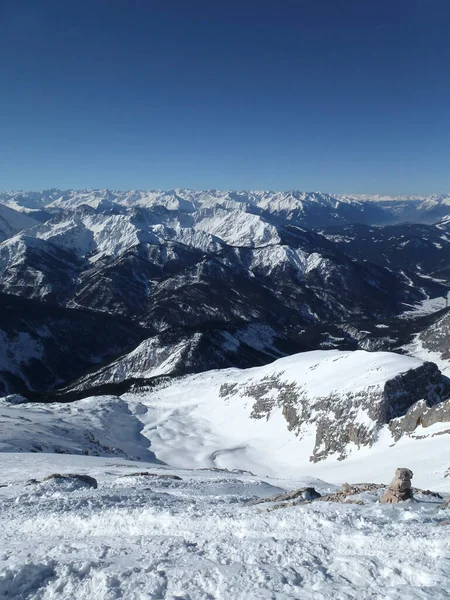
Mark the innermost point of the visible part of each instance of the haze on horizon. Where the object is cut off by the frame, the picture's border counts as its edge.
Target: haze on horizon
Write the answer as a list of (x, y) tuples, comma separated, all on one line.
[(342, 97)]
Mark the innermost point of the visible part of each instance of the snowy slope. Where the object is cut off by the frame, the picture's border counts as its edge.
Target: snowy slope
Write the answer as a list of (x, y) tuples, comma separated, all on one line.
[(311, 406), (177, 534), (317, 406), (175, 521), (12, 222)]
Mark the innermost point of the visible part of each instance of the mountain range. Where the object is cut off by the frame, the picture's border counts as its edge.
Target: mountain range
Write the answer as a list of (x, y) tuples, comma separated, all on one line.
[(99, 287)]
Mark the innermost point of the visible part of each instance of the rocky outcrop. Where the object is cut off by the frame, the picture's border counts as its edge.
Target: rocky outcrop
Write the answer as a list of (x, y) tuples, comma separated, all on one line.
[(436, 337), (446, 504), (153, 475), (421, 414), (348, 490), (303, 495), (74, 480), (348, 417), (425, 383), (399, 489)]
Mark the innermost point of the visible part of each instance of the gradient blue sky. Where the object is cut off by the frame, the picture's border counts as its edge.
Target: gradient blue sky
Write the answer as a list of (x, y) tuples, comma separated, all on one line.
[(332, 95)]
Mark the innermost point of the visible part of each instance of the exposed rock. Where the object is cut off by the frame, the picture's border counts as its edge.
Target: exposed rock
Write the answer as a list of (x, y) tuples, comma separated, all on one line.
[(399, 489), (235, 471), (427, 493), (420, 414), (309, 494), (348, 416), (83, 480), (16, 399), (445, 505), (305, 494), (351, 490), (436, 337), (155, 475)]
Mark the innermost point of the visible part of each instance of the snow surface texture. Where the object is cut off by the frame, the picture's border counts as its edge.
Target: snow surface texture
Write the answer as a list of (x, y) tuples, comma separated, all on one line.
[(210, 420), (195, 537), (184, 528)]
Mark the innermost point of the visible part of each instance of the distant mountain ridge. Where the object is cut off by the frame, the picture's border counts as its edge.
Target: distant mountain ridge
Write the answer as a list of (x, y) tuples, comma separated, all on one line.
[(207, 279)]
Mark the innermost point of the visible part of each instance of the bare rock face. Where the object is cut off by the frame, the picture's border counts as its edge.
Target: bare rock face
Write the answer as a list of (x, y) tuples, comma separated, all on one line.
[(155, 475), (337, 416), (446, 504), (399, 489), (422, 413), (344, 494), (302, 495), (72, 479)]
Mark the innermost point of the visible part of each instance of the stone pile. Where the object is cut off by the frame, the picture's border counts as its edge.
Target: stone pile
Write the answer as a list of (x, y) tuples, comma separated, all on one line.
[(399, 489)]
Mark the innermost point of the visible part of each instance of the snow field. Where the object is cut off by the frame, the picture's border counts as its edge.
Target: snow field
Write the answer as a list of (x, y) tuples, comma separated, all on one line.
[(195, 538)]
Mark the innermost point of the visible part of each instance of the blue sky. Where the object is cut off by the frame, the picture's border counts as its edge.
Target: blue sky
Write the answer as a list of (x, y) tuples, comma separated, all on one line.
[(332, 95)]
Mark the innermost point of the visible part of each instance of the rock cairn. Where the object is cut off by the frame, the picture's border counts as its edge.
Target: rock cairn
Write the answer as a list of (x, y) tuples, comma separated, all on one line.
[(399, 489)]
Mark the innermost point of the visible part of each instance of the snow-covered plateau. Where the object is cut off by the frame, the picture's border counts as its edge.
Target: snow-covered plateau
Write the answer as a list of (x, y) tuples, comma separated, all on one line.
[(191, 534), (178, 468)]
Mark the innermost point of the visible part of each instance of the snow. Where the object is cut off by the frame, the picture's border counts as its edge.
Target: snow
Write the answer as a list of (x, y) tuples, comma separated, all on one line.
[(267, 259), (196, 538), (205, 420), (417, 349), (186, 530), (12, 222), (97, 234), (425, 307), (17, 349), (149, 359), (236, 228)]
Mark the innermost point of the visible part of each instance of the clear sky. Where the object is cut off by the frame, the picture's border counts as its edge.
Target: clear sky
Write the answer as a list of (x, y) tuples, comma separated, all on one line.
[(332, 95)]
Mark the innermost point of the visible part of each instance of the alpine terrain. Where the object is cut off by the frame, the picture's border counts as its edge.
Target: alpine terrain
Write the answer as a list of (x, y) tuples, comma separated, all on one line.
[(206, 395)]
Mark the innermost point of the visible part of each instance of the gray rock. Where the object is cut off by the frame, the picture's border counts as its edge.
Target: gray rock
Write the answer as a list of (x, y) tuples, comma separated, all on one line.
[(399, 489), (305, 494), (420, 414), (82, 480), (437, 336), (446, 504), (404, 474), (16, 399), (337, 417), (155, 475), (347, 490)]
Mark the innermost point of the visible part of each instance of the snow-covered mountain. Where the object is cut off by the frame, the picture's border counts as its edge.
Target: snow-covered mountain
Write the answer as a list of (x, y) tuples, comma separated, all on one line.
[(310, 209), (123, 317), (306, 408), (200, 270), (42, 345), (13, 221), (421, 251)]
